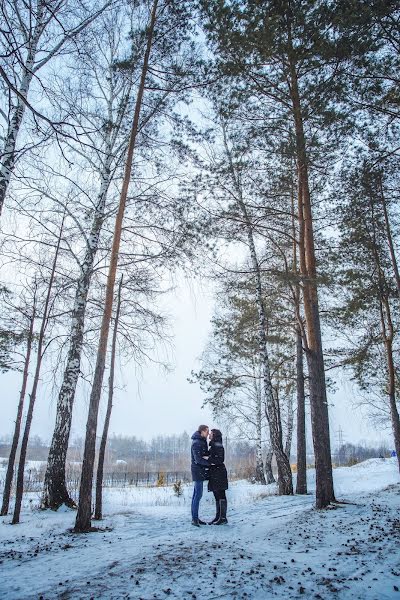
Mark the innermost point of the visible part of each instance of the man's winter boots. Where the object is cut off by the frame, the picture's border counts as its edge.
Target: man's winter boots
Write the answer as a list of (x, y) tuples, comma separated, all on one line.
[(198, 522), (223, 506)]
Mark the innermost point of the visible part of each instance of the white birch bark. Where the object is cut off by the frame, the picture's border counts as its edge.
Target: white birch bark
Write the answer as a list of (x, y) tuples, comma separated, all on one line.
[(289, 428), (260, 472), (269, 475), (285, 483), (8, 155), (55, 492), (43, 15)]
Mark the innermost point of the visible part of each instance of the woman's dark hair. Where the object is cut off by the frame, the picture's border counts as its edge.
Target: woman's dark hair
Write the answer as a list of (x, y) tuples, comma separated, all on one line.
[(217, 435)]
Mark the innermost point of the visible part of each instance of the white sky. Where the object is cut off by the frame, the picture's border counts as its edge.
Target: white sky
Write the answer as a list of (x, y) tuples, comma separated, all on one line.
[(152, 402)]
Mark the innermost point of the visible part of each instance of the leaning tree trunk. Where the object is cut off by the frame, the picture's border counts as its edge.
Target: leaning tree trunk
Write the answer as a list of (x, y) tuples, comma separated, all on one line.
[(17, 428), (83, 518), (100, 463), (32, 398), (388, 334), (285, 483), (315, 358), (389, 236), (301, 483), (387, 330), (269, 475), (30, 69), (9, 152), (394, 413), (55, 492)]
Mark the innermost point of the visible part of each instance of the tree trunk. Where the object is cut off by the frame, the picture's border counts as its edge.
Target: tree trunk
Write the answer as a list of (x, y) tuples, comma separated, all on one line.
[(260, 473), (301, 480), (394, 413), (30, 70), (289, 432), (387, 330), (388, 334), (100, 463), (55, 491), (285, 483), (318, 396), (32, 398), (268, 466), (301, 483), (55, 488), (17, 429), (389, 236), (83, 518), (8, 155)]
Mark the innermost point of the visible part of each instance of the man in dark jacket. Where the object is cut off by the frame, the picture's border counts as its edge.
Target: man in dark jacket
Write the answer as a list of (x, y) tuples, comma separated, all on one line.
[(199, 470)]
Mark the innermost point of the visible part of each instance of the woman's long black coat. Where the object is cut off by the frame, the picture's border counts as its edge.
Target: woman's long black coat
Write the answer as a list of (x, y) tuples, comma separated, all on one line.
[(218, 476)]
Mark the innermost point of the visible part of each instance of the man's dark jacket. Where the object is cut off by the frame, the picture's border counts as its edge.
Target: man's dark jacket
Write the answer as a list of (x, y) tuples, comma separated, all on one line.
[(218, 477), (199, 464)]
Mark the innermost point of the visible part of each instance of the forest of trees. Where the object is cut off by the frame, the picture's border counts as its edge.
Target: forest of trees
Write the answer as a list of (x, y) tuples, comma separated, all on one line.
[(255, 144)]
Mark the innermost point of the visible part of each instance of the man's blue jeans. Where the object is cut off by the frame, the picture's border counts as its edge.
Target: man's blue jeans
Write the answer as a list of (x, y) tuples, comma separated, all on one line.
[(197, 494)]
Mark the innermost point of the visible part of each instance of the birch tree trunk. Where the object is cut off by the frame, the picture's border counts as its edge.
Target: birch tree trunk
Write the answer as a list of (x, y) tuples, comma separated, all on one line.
[(83, 518), (300, 337), (98, 512), (8, 155), (43, 14), (55, 491), (17, 428), (289, 432), (301, 483), (32, 398), (285, 484), (260, 473), (269, 475)]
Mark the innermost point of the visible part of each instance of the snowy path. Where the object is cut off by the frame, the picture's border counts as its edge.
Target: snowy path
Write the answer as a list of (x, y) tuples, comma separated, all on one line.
[(274, 547)]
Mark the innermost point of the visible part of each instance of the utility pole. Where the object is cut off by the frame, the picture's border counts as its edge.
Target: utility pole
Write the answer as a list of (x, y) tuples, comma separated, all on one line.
[(339, 441)]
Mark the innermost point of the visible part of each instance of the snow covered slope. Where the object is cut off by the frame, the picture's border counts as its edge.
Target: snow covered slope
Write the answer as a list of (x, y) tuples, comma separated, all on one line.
[(273, 547)]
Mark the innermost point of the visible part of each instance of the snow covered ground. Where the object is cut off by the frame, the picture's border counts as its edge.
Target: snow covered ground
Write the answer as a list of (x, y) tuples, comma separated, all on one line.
[(273, 547)]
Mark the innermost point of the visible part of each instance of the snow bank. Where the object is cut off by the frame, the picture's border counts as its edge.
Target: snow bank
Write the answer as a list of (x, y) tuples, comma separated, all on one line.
[(366, 477)]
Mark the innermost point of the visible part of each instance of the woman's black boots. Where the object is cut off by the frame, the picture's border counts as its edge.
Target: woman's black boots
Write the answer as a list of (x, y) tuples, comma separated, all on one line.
[(216, 518), (223, 505)]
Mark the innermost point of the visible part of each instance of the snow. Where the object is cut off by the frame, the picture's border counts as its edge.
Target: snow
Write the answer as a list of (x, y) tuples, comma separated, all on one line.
[(273, 547), (29, 465)]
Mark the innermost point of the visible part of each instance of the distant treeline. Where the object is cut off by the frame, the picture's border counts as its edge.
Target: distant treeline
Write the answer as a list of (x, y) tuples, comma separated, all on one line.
[(170, 453), (349, 454), (162, 453)]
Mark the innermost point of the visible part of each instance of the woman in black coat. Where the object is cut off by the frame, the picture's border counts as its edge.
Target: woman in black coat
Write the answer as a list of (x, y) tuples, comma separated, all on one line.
[(218, 476)]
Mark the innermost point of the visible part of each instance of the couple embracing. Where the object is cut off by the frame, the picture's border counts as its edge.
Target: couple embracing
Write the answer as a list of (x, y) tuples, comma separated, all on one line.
[(208, 464)]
